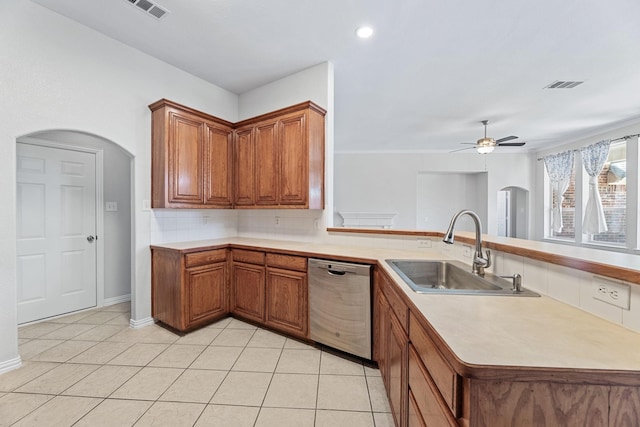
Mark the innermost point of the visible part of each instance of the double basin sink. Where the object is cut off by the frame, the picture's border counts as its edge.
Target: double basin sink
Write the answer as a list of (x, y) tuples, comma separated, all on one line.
[(452, 277)]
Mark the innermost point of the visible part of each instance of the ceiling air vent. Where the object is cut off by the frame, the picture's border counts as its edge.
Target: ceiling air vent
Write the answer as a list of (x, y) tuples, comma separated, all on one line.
[(558, 84), (149, 8)]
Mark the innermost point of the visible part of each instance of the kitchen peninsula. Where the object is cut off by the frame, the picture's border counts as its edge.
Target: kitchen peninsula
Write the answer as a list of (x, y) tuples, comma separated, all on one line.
[(476, 360)]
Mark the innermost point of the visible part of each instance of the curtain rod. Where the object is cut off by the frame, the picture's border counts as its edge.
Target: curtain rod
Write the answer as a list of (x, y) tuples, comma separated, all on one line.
[(612, 140)]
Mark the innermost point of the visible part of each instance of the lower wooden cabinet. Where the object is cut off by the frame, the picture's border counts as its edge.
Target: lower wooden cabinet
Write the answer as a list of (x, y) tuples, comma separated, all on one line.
[(247, 291), (271, 289), (287, 301), (390, 349), (189, 290)]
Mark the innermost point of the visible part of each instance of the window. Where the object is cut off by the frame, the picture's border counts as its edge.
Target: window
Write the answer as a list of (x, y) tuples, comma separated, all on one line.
[(618, 189), (612, 184)]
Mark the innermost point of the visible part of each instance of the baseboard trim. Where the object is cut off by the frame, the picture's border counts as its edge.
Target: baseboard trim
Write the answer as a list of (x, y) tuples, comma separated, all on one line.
[(137, 324), (116, 300), (10, 365)]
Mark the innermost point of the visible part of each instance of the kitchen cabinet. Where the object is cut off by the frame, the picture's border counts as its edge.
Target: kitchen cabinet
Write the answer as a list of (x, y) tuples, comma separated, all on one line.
[(280, 158), (287, 294), (271, 289), (191, 160), (248, 284), (189, 290), (392, 347)]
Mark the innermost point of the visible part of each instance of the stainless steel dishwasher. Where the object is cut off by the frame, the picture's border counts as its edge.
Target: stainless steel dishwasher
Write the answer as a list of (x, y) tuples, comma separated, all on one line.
[(340, 305)]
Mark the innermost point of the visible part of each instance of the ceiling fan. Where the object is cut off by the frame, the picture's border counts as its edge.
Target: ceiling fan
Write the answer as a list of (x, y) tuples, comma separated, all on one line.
[(487, 145)]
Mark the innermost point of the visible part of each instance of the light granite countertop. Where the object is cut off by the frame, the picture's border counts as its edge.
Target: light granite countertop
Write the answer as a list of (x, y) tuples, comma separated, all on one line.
[(501, 331)]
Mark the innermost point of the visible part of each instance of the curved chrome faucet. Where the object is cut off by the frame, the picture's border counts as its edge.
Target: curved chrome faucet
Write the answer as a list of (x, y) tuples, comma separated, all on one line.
[(479, 261)]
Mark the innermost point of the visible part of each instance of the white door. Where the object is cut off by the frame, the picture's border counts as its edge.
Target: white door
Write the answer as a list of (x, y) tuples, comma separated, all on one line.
[(56, 227)]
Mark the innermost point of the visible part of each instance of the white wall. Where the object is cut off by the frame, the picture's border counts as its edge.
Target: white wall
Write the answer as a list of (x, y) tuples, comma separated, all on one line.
[(57, 74), (441, 194), (387, 182)]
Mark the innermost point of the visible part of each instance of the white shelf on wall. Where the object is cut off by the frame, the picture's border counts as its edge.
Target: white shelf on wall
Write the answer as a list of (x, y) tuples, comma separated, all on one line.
[(382, 220)]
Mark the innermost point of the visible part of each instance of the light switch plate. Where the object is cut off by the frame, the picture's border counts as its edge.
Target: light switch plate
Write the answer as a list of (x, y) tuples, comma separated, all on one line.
[(111, 206)]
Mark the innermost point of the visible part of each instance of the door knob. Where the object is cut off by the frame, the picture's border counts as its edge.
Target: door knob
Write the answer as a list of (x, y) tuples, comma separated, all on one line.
[(90, 239)]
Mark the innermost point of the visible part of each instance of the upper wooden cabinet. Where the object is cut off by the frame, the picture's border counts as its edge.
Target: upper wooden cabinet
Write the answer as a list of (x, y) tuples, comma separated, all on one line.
[(279, 158), (275, 160), (191, 158)]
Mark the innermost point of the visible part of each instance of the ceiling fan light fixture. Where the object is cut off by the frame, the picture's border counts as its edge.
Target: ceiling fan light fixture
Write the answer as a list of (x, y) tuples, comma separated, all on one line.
[(485, 145), (364, 32)]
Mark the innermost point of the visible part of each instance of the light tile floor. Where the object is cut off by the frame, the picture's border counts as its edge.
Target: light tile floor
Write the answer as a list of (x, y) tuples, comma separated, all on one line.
[(91, 369)]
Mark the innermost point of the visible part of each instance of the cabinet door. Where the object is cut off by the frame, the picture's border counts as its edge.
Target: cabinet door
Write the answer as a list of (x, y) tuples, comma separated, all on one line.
[(206, 288), (266, 137), (294, 158), (247, 291), (397, 371), (185, 178), (218, 161), (380, 330), (244, 165), (287, 301)]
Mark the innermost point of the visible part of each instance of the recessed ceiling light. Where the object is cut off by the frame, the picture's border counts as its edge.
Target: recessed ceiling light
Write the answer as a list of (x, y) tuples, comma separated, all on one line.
[(364, 32)]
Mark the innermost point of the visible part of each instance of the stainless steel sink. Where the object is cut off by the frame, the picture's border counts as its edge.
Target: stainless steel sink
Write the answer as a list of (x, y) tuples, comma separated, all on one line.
[(451, 277)]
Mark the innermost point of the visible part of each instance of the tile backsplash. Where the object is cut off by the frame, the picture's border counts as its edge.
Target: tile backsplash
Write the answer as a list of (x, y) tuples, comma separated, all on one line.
[(177, 225)]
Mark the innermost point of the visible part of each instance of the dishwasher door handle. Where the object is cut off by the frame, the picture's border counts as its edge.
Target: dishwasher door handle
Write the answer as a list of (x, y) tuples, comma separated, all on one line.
[(337, 273)]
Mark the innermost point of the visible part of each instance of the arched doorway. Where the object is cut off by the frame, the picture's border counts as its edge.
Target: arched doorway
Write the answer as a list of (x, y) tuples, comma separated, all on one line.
[(110, 241)]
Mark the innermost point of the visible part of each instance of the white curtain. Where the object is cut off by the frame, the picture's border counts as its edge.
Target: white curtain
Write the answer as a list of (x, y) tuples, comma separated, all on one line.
[(559, 167), (593, 159)]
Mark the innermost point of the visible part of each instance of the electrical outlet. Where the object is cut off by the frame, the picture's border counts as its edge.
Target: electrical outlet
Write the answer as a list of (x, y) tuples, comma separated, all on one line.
[(424, 243), (466, 251), (111, 206), (611, 292), (277, 224)]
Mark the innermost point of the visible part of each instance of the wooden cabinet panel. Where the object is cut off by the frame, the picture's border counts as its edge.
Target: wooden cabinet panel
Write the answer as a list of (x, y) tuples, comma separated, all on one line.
[(206, 292), (287, 301), (396, 360), (432, 407), (205, 257), (415, 418), (624, 406), (294, 155), (381, 334), (218, 166), (442, 374), (249, 257), (266, 166), (244, 167), (185, 167), (248, 291), (497, 403), (398, 307), (288, 262)]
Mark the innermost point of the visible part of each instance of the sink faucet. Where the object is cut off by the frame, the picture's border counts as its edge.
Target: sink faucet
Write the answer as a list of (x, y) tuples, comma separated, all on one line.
[(479, 261)]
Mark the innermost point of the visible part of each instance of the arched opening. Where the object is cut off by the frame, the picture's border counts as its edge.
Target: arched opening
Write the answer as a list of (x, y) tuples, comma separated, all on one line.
[(513, 212), (109, 237)]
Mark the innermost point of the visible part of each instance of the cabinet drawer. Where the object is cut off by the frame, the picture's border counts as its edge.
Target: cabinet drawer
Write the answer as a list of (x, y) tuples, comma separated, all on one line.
[(250, 257), (287, 262), (430, 405), (397, 305), (205, 257), (443, 376)]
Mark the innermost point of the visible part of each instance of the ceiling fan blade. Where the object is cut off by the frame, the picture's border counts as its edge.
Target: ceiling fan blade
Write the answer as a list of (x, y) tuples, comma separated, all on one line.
[(462, 149), (469, 143), (511, 144), (506, 138)]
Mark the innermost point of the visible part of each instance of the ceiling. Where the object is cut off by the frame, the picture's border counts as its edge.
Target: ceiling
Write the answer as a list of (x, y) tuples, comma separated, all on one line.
[(432, 71)]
